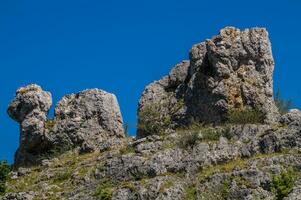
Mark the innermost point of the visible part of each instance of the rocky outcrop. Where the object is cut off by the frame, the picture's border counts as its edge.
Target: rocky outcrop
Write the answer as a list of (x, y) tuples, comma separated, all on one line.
[(292, 118), (30, 108), (232, 71), (241, 163), (90, 120), (189, 145)]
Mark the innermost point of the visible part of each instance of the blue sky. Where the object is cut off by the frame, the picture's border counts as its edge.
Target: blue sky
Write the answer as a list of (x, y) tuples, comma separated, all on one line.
[(121, 46)]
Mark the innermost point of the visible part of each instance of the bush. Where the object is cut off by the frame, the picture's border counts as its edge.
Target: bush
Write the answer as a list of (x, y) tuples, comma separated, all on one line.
[(151, 120), (225, 190), (245, 116), (283, 184), (4, 171), (157, 117), (104, 191), (188, 139), (282, 105), (190, 193)]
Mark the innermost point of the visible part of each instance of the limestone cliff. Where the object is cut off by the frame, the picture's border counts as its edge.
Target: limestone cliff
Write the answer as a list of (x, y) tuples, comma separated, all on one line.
[(209, 130), (232, 71)]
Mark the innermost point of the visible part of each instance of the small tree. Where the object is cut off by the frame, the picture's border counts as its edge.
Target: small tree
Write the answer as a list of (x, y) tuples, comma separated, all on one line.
[(282, 105), (4, 171)]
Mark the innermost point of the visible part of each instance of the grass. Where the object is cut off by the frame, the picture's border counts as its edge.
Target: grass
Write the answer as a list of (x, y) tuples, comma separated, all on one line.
[(127, 150), (222, 168), (128, 185), (245, 116), (62, 176), (166, 185), (24, 184), (195, 133), (58, 176), (4, 171)]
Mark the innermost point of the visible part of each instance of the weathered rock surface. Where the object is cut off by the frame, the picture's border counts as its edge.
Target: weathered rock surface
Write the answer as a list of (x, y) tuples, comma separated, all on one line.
[(19, 196), (30, 108), (185, 148), (241, 163), (90, 120), (292, 118), (87, 119), (231, 71)]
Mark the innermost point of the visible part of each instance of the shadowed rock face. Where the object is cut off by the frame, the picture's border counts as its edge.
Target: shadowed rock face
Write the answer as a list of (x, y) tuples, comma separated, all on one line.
[(89, 120), (231, 71)]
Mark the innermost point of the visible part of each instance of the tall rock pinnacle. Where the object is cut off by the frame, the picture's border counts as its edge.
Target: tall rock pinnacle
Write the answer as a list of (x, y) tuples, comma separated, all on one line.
[(231, 71)]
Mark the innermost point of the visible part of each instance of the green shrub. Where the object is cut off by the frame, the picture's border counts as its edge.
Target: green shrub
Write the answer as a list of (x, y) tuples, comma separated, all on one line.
[(210, 134), (188, 139), (190, 193), (225, 190), (227, 132), (282, 105), (283, 183), (151, 121), (156, 118), (4, 171), (104, 191), (245, 116)]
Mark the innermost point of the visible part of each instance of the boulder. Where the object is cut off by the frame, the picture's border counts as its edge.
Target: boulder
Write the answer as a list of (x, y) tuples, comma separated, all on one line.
[(230, 72), (292, 118), (88, 119)]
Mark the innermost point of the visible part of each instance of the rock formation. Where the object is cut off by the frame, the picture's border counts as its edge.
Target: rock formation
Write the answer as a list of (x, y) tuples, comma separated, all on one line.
[(232, 71), (90, 120), (30, 108), (186, 148)]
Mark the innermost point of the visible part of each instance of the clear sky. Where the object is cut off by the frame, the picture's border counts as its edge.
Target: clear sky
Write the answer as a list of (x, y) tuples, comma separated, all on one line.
[(121, 46)]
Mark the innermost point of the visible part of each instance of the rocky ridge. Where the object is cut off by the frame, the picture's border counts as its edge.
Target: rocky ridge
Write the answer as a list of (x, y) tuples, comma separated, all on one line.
[(192, 140)]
